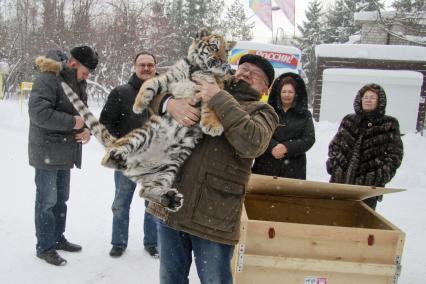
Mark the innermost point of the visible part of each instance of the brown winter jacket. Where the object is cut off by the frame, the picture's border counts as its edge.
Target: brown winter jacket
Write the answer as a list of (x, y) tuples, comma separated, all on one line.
[(213, 180)]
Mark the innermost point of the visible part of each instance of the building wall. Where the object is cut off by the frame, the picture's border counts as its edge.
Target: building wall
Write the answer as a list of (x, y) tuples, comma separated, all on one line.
[(324, 63), (371, 33), (374, 33)]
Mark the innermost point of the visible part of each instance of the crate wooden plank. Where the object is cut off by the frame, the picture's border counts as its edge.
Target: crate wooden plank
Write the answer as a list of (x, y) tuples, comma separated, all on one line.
[(325, 266), (322, 242), (260, 184)]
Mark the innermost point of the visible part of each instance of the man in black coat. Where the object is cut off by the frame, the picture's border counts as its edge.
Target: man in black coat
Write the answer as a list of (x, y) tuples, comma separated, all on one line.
[(55, 141), (119, 118), (295, 134)]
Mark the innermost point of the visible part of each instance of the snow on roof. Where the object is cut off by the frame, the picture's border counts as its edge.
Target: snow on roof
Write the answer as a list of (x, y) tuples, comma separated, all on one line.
[(372, 16), (372, 51), (391, 77)]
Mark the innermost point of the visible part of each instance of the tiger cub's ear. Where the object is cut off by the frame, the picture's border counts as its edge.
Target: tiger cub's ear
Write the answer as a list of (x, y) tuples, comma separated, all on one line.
[(202, 32), (230, 45)]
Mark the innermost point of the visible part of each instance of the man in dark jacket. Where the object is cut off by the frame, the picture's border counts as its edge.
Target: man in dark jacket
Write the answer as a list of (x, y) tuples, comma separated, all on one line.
[(119, 119), (295, 133), (56, 136), (214, 178)]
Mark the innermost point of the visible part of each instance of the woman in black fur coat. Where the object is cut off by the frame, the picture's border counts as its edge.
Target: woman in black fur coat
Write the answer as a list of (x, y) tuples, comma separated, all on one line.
[(367, 149), (295, 134)]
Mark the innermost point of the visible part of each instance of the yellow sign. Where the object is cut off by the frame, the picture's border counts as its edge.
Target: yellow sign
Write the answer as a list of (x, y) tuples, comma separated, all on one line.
[(26, 86), (264, 98)]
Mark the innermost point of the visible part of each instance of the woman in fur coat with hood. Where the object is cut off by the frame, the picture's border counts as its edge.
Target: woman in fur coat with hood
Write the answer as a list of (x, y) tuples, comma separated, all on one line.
[(295, 133), (367, 149)]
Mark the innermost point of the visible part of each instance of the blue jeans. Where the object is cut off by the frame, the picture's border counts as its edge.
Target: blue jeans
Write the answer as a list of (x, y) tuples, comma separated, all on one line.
[(124, 190), (213, 260), (52, 193)]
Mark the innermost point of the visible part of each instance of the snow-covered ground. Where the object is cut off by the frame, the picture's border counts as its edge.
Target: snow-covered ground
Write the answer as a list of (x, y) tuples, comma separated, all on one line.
[(90, 217)]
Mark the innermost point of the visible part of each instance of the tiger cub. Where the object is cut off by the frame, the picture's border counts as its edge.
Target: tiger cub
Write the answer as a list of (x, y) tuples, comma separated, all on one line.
[(206, 59), (152, 155)]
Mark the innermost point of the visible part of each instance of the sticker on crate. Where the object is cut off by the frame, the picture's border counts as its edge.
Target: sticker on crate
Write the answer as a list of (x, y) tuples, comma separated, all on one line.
[(316, 280)]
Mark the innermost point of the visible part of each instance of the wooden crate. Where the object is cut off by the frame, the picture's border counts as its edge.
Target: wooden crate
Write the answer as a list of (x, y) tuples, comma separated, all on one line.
[(307, 232)]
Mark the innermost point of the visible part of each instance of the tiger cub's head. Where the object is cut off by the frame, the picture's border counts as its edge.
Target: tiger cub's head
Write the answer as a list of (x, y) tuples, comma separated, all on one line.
[(209, 52)]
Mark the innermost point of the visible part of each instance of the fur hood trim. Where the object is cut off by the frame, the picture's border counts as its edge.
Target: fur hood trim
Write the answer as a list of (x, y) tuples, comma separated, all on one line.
[(45, 64), (300, 103), (380, 111)]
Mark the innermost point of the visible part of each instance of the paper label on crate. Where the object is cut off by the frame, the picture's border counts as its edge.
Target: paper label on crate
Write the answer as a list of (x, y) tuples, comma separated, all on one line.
[(316, 280)]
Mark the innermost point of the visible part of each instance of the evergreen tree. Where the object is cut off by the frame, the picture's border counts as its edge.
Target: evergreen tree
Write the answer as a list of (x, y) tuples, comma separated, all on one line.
[(403, 5), (312, 33), (236, 24), (409, 5), (340, 23), (186, 17), (420, 5), (367, 5)]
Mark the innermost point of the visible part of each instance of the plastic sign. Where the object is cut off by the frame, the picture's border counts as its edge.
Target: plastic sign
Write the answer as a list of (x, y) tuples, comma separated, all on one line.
[(278, 59), (26, 86)]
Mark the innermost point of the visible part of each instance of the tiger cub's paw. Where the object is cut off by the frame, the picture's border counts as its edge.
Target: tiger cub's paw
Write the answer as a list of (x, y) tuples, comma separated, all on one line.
[(137, 108), (172, 200), (210, 124), (142, 100), (115, 158)]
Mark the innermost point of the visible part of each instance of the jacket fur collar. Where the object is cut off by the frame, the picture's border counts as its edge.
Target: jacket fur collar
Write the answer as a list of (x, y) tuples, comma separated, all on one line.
[(45, 64)]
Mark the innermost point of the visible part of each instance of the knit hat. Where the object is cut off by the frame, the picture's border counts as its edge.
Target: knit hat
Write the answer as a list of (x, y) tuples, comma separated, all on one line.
[(260, 62), (86, 56)]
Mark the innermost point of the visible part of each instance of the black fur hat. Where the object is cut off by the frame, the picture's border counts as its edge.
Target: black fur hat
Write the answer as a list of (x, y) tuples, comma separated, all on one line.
[(86, 56), (260, 62)]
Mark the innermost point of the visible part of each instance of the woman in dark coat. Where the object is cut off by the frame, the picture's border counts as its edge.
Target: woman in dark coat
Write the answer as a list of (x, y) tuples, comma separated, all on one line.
[(295, 134), (367, 149)]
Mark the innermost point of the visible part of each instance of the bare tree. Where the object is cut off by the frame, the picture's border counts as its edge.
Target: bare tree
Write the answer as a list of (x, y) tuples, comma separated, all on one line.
[(53, 25), (81, 21)]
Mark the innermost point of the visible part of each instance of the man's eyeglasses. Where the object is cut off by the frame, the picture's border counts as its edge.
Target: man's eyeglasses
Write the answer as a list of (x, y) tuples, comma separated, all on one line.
[(255, 74), (143, 66)]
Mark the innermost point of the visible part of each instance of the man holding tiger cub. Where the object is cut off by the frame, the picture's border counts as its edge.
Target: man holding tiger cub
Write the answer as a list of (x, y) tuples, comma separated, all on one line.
[(214, 178)]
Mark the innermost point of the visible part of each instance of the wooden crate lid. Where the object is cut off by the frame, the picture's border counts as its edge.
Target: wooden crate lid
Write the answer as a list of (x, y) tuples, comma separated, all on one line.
[(259, 184)]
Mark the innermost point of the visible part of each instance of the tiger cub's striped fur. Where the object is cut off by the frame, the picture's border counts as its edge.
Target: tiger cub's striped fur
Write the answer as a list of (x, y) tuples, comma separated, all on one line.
[(207, 59), (152, 155)]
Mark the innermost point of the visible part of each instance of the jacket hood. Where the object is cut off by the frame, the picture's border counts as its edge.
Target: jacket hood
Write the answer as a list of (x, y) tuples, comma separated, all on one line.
[(52, 62), (381, 104), (300, 103)]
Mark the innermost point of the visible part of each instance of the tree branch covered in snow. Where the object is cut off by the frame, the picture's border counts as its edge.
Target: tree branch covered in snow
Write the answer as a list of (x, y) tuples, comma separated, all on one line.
[(117, 29)]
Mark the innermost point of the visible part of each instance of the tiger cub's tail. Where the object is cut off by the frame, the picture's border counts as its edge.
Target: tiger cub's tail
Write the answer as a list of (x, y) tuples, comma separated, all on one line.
[(98, 129)]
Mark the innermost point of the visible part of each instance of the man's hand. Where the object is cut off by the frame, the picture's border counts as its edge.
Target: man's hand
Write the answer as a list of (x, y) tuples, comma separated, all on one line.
[(183, 111), (279, 151), (83, 137), (205, 91), (79, 122)]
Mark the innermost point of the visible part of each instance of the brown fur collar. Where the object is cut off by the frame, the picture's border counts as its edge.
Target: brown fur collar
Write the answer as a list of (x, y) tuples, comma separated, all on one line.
[(45, 64)]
